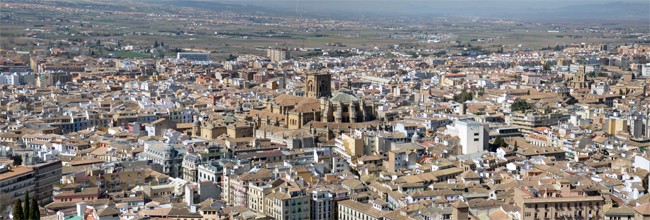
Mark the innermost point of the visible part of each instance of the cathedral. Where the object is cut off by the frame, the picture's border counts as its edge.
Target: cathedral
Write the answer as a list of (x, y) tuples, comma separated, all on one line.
[(318, 105), (345, 107)]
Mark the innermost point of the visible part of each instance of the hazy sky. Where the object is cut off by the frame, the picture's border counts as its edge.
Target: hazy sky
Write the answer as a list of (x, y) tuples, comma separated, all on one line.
[(493, 8), (423, 6), (465, 3)]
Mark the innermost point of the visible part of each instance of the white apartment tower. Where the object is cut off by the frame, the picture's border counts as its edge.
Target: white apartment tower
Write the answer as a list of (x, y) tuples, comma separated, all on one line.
[(473, 136)]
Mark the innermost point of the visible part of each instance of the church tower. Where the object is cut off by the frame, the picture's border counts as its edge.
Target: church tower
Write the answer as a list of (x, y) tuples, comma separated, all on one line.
[(318, 85), (196, 127), (580, 80)]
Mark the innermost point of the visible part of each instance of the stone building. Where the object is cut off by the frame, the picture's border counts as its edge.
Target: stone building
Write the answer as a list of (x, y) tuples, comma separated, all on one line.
[(580, 81), (318, 85), (167, 159), (346, 107), (190, 167)]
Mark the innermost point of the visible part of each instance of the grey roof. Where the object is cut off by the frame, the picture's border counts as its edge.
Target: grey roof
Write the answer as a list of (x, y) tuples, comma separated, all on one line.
[(344, 96)]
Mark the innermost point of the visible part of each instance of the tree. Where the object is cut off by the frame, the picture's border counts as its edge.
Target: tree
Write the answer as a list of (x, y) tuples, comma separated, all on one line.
[(498, 143), (231, 57), (162, 44), (34, 213), (464, 96), (520, 105), (18, 160), (591, 74), (26, 206), (18, 210), (156, 45)]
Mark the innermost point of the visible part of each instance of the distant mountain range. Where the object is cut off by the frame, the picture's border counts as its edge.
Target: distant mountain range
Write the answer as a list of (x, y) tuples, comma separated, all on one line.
[(521, 9), (613, 10)]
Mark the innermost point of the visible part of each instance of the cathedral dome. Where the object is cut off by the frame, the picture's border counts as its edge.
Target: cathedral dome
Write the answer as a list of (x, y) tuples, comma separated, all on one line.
[(344, 96)]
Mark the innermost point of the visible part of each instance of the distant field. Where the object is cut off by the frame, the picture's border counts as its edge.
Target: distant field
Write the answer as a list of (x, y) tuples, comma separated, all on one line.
[(224, 36)]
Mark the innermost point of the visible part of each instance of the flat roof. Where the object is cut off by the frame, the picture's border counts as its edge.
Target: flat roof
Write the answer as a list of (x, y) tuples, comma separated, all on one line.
[(16, 171)]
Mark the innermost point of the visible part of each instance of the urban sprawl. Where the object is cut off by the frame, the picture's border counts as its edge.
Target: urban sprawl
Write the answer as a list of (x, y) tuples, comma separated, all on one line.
[(306, 133)]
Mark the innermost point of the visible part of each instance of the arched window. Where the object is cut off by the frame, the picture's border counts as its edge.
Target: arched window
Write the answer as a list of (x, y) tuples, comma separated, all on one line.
[(310, 86)]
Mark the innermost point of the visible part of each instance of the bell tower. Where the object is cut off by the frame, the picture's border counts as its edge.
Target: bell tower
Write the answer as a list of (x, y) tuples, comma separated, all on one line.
[(318, 85)]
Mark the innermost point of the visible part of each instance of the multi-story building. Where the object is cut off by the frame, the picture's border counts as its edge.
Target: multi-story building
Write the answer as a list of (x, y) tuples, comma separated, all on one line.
[(324, 202), (277, 54), (565, 203), (193, 56), (190, 167), (235, 187), (15, 79), (353, 210), (400, 159), (176, 115), (527, 122), (124, 180), (46, 174), (613, 125), (256, 193), (287, 201), (211, 171), (51, 78), (166, 158), (473, 136), (645, 70), (349, 146), (68, 123), (15, 181), (639, 123)]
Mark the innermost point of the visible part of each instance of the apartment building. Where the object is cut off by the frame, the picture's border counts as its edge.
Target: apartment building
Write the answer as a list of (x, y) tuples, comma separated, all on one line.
[(353, 210), (527, 122), (288, 201), (568, 202), (46, 174), (15, 181), (324, 202)]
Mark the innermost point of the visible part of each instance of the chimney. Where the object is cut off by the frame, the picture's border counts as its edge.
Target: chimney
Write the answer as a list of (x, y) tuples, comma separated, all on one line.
[(81, 209)]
